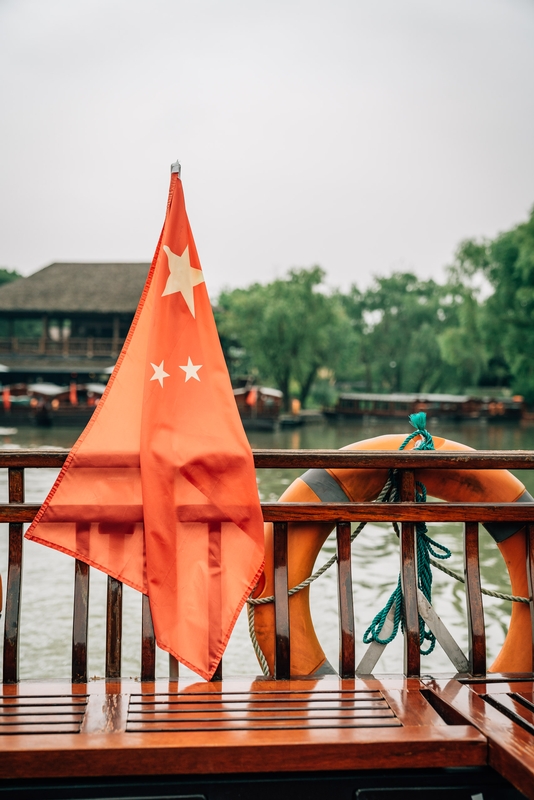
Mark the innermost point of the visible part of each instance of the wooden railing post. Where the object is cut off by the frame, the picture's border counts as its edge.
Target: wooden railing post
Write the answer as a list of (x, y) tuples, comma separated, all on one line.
[(281, 603), (218, 674), (174, 668), (347, 663), (148, 642), (80, 622), (475, 609), (114, 628), (408, 571), (14, 582)]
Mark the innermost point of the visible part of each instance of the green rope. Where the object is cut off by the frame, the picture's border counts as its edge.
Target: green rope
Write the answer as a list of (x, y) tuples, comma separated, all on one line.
[(425, 548)]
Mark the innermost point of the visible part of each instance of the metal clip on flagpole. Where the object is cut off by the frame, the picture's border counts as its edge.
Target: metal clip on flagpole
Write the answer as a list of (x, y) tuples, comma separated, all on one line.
[(176, 167)]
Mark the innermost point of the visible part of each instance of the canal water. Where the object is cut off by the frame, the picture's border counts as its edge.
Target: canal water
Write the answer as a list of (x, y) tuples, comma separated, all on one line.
[(46, 623)]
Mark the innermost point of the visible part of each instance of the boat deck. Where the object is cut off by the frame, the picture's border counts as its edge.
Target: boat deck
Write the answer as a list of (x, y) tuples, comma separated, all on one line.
[(249, 727), (356, 736)]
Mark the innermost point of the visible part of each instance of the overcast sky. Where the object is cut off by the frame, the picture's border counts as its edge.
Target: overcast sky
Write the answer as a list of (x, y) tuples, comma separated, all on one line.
[(361, 136)]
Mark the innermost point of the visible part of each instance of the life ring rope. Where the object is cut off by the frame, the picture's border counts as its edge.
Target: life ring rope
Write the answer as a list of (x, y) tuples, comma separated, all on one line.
[(425, 547), (331, 561), (383, 497)]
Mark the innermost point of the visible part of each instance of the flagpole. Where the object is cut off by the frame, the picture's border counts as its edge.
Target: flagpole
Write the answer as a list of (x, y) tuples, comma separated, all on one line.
[(176, 167)]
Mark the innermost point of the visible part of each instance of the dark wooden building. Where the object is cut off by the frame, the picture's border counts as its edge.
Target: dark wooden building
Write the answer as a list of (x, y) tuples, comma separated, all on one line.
[(67, 320)]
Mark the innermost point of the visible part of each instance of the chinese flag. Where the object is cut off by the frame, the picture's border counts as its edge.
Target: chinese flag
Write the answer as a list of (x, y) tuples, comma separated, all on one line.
[(160, 491)]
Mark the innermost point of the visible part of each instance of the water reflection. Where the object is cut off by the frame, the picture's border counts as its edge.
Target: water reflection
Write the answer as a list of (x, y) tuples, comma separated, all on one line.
[(48, 576)]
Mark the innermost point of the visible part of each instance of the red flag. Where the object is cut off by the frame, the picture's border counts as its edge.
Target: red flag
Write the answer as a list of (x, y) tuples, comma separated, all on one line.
[(159, 491)]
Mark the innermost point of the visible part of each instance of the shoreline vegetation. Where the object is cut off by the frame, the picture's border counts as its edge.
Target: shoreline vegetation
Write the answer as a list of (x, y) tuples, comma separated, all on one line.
[(473, 333)]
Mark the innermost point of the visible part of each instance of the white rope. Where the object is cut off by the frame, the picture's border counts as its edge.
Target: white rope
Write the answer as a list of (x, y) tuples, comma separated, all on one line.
[(264, 600), (499, 595), (382, 497)]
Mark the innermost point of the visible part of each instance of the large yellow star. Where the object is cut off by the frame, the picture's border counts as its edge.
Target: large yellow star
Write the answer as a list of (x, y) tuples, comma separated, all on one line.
[(183, 277)]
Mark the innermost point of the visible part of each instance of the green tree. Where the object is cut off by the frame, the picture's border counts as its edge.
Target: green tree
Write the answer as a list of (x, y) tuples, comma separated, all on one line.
[(289, 329), (507, 315), (399, 320), (462, 344)]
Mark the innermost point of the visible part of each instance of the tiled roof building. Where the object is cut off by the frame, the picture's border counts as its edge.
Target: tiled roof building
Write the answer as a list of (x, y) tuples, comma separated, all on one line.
[(67, 319)]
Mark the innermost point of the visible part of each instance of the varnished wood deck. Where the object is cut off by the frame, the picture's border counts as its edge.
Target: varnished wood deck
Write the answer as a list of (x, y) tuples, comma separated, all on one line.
[(233, 726), (503, 710)]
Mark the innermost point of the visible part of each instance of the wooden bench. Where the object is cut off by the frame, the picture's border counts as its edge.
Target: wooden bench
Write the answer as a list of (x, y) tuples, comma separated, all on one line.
[(357, 731)]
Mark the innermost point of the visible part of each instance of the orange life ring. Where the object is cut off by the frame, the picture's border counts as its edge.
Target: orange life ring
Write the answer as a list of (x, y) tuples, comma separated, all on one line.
[(363, 485)]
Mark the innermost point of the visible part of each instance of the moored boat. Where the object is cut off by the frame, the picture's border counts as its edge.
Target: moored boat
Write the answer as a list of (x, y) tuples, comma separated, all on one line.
[(259, 406), (440, 406)]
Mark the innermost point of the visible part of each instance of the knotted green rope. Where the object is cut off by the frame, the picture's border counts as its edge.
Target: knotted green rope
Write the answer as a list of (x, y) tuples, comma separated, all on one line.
[(425, 548)]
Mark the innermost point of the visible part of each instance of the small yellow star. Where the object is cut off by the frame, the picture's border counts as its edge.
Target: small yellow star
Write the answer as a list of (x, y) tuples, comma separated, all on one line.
[(183, 277)]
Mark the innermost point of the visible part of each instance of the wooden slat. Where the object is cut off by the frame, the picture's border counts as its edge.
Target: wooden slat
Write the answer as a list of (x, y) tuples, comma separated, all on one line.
[(530, 576), (259, 725), (243, 715), (14, 583), (347, 512), (18, 512), (9, 702), (268, 706), (37, 718), (261, 699), (113, 628), (332, 459), (408, 571), (38, 729), (475, 609), (513, 707), (321, 512), (345, 602), (413, 708), (398, 512), (394, 459), (33, 458), (148, 642), (80, 622), (281, 602), (44, 710)]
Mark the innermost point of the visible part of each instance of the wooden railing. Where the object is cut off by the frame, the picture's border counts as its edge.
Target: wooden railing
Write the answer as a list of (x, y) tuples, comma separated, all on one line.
[(16, 512)]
